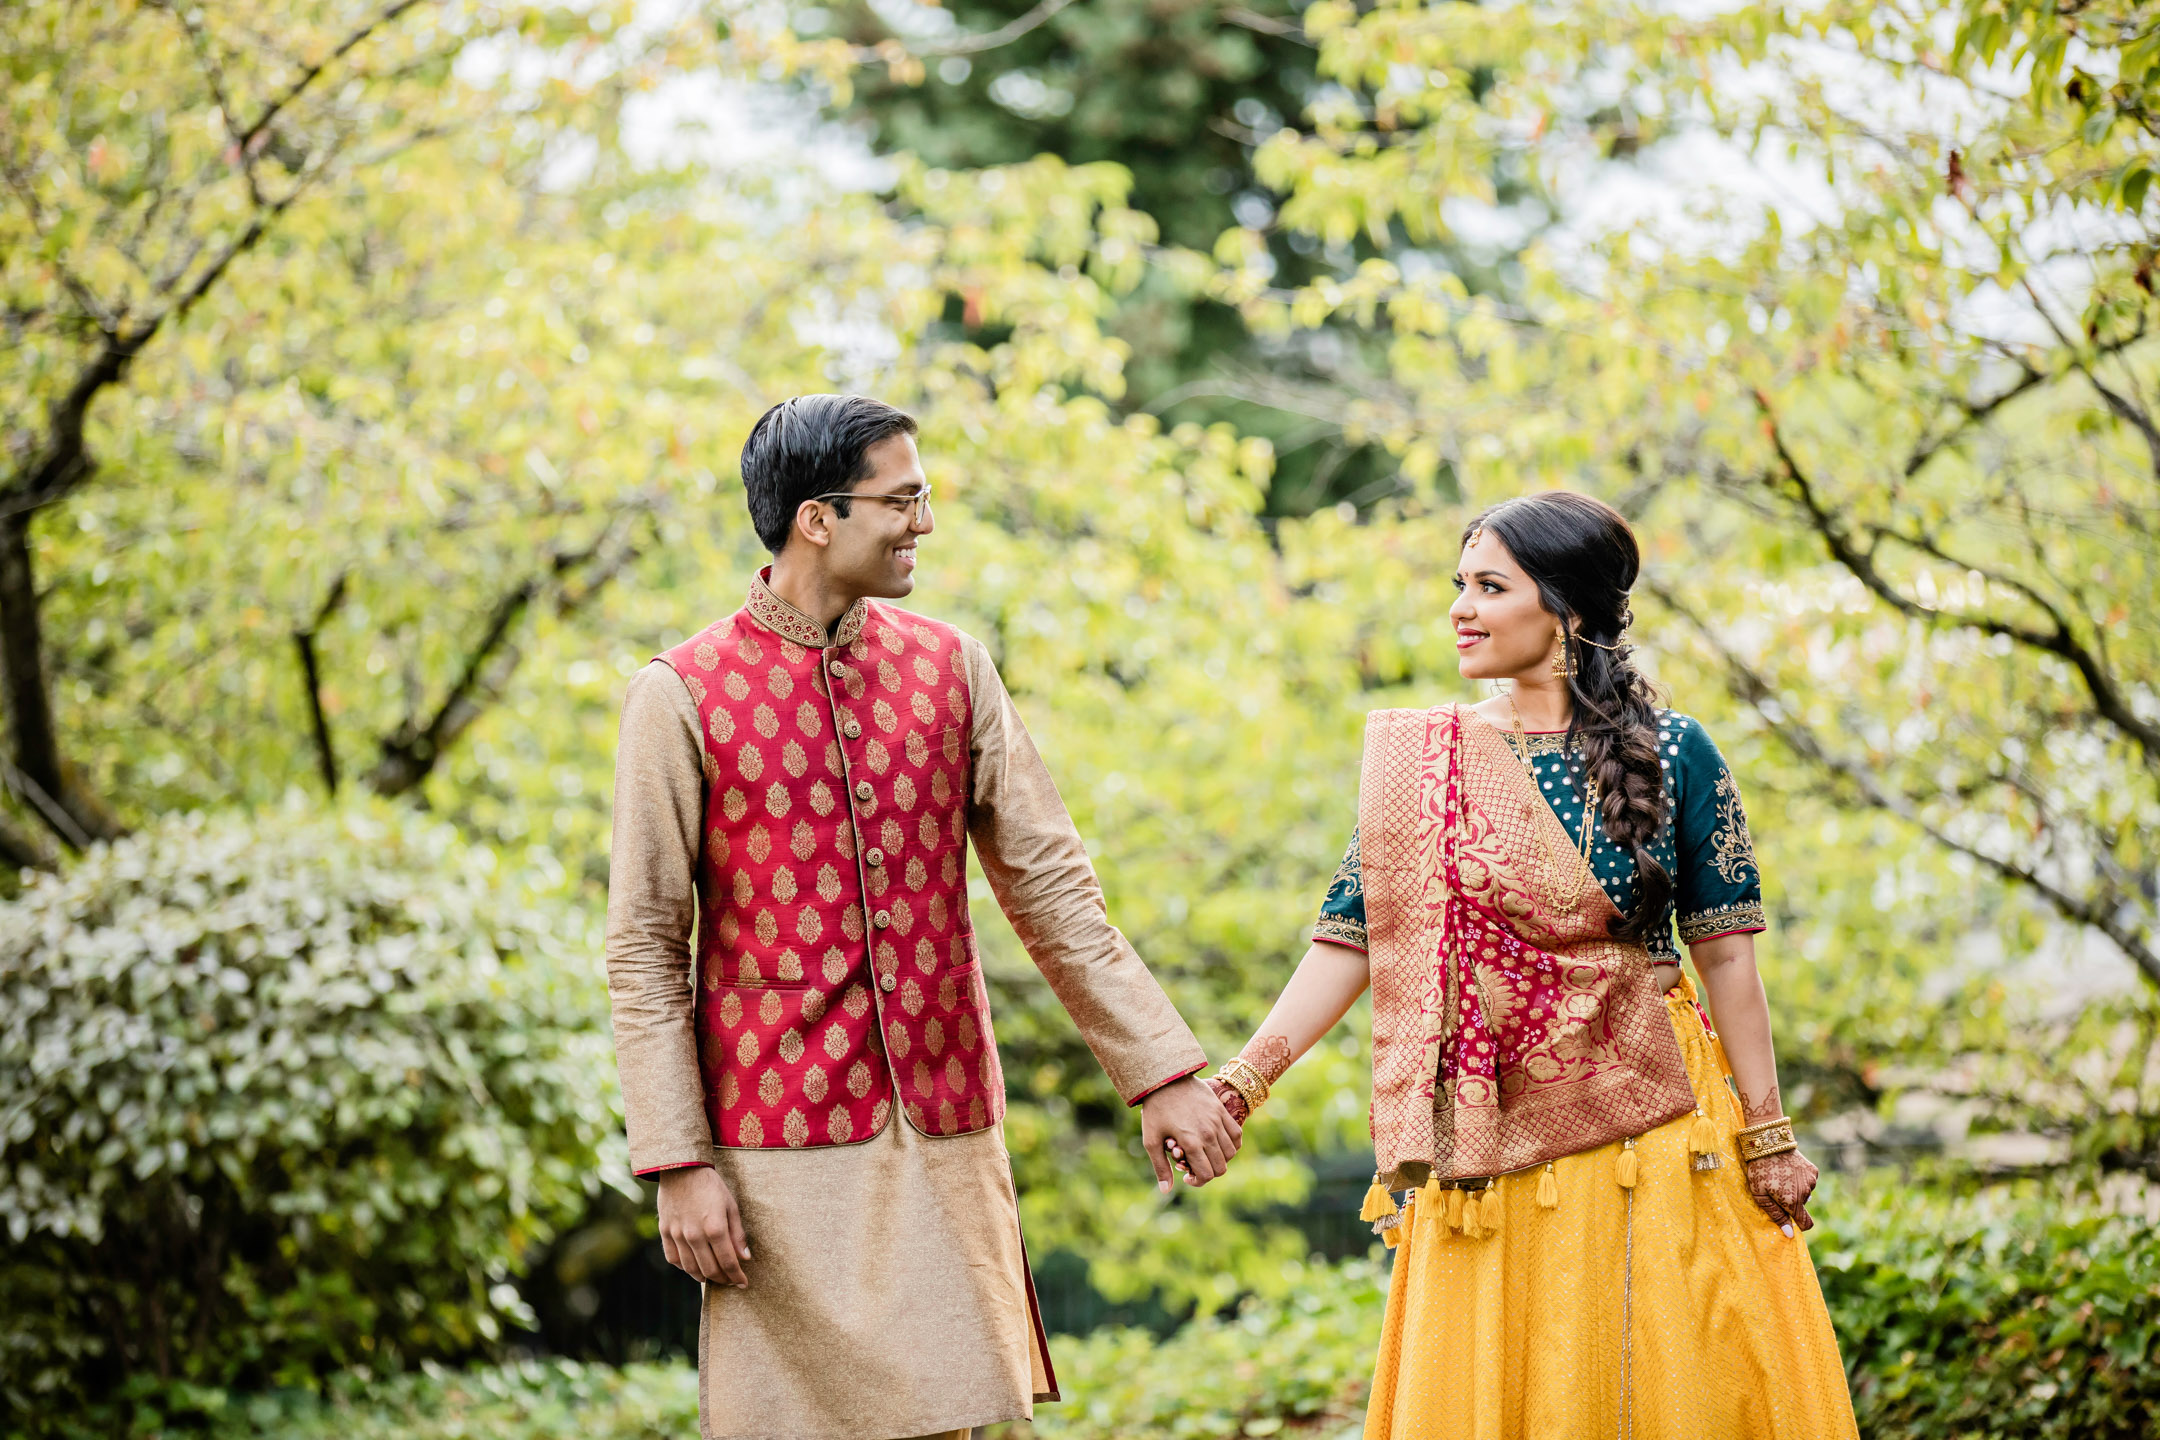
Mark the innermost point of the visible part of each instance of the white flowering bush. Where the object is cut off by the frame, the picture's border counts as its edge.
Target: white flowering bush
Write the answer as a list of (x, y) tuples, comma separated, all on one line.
[(281, 1095)]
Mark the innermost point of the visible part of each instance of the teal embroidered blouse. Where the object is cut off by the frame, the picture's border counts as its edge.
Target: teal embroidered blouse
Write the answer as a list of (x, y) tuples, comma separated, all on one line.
[(1704, 846)]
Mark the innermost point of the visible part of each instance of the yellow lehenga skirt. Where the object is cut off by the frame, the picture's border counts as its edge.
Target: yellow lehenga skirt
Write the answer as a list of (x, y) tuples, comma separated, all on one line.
[(1673, 1310)]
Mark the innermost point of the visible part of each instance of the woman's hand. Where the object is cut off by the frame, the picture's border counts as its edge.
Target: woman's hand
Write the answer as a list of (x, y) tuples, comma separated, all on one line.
[(1231, 1100), (1781, 1184)]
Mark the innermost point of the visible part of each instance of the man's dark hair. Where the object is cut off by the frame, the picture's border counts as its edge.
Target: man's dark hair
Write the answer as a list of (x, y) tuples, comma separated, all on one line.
[(811, 445)]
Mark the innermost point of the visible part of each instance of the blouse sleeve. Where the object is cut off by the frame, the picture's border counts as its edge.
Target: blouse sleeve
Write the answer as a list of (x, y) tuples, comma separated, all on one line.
[(1718, 889), (1342, 914)]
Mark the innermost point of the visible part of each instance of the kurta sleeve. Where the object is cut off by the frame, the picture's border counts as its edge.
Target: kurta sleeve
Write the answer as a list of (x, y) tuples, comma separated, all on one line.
[(1342, 913), (1039, 871), (1717, 889), (652, 915)]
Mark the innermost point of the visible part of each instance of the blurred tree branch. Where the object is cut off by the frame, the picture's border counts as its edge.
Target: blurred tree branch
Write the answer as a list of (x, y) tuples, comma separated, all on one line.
[(1853, 778), (1858, 557), (409, 754), (311, 673)]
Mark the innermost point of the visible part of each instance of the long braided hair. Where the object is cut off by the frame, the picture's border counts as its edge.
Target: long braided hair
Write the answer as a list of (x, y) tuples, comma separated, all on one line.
[(1582, 556)]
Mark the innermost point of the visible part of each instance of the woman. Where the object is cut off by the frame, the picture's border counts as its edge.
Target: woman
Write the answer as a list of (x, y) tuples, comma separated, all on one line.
[(1602, 1238)]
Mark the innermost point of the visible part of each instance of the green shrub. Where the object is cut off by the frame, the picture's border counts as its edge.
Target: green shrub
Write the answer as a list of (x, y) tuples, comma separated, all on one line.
[(2000, 1317), (530, 1400), (279, 1097), (1993, 1316), (1305, 1361)]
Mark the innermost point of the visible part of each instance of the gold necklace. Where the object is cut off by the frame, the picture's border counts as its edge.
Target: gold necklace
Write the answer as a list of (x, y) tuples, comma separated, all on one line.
[(1519, 743)]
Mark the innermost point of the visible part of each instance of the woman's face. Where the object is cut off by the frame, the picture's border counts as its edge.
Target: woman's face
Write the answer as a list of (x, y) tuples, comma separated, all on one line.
[(1502, 629)]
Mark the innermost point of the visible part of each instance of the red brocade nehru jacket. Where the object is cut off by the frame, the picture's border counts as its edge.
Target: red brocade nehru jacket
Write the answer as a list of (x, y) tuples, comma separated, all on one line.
[(835, 959)]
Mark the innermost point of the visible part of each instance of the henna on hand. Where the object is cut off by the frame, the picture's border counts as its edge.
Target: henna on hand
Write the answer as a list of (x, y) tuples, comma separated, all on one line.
[(1758, 1110), (1270, 1055), (1781, 1185)]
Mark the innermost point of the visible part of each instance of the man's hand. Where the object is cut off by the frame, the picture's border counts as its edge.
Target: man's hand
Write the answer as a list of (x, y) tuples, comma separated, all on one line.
[(701, 1231), (1187, 1112)]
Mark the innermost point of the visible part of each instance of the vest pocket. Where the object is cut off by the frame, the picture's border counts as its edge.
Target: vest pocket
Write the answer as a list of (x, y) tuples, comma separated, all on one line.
[(767, 972)]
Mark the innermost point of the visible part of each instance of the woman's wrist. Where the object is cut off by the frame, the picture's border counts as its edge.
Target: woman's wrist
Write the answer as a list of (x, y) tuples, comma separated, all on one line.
[(1766, 1138), (1241, 1075), (1231, 1100)]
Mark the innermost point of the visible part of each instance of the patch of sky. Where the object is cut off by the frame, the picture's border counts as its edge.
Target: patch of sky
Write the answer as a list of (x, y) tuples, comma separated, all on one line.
[(912, 21), (737, 128), (1027, 94)]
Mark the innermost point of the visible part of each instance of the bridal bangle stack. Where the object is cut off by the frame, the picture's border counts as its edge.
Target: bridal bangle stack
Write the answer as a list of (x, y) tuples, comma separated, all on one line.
[(1771, 1137), (1244, 1077)]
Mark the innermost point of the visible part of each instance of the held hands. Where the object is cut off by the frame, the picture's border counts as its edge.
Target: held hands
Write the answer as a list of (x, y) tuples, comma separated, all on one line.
[(1186, 1115), (1231, 1100), (1781, 1185), (701, 1230)]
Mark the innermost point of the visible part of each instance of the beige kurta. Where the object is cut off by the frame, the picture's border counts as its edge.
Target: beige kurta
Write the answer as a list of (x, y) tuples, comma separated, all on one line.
[(889, 1294)]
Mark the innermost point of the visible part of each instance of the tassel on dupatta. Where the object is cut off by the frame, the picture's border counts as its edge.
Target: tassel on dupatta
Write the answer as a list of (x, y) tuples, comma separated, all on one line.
[(1380, 1207), (1379, 1203), (1548, 1189), (1702, 1142)]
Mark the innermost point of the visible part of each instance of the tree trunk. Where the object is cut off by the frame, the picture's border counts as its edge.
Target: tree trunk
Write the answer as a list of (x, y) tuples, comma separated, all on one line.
[(39, 771)]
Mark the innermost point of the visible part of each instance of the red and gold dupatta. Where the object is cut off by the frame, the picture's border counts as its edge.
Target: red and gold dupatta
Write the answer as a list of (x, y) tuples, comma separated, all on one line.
[(1507, 1031)]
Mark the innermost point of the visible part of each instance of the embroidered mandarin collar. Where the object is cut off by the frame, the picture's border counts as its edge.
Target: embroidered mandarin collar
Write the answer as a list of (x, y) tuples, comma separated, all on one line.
[(775, 614)]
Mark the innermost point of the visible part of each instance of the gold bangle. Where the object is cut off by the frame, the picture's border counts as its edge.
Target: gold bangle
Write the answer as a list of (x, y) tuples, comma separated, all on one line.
[(1238, 1084), (1244, 1077), (1239, 1065), (1771, 1137), (1248, 1080)]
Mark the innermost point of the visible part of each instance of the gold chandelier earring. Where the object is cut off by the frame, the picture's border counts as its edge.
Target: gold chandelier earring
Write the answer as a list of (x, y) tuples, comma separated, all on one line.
[(1563, 660)]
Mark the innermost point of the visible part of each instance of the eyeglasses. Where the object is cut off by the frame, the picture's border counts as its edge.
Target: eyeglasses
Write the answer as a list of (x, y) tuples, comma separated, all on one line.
[(917, 501)]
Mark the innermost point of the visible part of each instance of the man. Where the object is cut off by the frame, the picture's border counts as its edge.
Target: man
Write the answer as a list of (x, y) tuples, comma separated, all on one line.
[(800, 1016)]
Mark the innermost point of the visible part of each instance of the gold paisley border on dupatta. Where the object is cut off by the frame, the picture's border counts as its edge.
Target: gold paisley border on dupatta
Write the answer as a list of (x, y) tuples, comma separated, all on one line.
[(1591, 1057), (1405, 912)]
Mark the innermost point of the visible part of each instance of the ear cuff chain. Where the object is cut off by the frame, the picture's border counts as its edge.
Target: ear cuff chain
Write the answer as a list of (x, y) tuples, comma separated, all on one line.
[(1563, 660)]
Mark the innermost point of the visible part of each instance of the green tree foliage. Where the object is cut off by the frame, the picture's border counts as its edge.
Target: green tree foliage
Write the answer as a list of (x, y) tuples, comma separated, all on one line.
[(282, 1097), (1153, 87), (148, 151), (1180, 95)]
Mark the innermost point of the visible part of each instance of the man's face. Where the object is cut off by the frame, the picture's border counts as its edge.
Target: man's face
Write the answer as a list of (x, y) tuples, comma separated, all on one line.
[(872, 549)]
